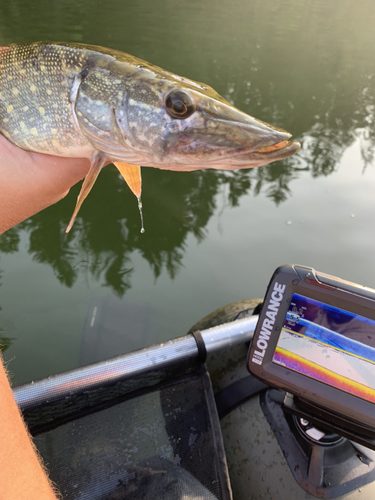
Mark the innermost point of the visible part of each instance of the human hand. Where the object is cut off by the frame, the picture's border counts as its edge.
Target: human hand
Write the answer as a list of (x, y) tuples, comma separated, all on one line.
[(30, 182)]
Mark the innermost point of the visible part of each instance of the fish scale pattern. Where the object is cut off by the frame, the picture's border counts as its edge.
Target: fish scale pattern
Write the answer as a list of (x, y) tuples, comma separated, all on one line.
[(35, 109)]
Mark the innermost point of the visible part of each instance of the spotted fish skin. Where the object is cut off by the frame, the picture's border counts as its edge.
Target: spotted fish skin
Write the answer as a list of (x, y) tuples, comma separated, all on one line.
[(36, 108), (35, 111)]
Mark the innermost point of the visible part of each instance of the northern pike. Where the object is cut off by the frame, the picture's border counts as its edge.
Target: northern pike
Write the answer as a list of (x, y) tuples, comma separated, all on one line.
[(84, 101)]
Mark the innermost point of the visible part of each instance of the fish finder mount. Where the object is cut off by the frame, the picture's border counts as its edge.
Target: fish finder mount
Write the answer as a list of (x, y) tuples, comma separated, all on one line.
[(329, 421), (322, 461)]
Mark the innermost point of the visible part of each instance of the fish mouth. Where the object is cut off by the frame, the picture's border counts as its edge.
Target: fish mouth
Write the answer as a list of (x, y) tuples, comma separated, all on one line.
[(251, 157), (279, 150), (262, 143), (273, 147), (269, 149), (248, 158)]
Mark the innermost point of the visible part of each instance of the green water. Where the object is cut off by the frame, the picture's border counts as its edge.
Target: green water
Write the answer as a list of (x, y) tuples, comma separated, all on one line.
[(211, 237)]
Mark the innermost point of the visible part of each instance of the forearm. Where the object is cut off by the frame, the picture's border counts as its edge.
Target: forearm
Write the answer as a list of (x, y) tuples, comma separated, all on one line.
[(18, 201), (21, 472), (29, 182)]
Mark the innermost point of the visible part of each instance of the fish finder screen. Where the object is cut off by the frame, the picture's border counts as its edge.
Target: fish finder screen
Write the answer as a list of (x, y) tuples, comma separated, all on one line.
[(329, 344)]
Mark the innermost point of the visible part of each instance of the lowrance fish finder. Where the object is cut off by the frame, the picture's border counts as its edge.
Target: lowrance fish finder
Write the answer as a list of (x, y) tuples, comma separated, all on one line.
[(315, 339)]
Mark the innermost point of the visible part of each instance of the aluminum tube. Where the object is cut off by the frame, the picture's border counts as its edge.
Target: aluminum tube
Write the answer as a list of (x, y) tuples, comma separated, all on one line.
[(134, 363), (228, 334)]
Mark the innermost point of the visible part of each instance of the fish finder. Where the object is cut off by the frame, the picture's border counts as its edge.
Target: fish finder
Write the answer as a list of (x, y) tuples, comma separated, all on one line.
[(315, 339)]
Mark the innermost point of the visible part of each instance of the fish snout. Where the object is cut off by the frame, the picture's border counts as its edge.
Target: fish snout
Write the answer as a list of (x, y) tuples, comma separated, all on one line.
[(257, 143), (256, 134)]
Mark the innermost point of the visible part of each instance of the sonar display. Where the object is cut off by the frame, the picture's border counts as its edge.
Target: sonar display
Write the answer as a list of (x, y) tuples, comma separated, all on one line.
[(329, 344)]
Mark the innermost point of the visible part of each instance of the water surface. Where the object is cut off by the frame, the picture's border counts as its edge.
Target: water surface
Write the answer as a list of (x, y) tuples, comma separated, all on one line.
[(211, 237)]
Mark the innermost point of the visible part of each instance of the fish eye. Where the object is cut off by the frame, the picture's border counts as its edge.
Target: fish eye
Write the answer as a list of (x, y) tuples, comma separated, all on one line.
[(179, 104)]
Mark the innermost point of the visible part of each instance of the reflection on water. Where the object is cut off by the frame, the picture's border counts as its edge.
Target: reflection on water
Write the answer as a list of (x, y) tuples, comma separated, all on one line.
[(306, 66), (103, 240)]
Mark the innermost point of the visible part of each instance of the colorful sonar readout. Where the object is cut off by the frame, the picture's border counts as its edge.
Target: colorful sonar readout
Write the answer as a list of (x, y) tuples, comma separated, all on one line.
[(330, 345)]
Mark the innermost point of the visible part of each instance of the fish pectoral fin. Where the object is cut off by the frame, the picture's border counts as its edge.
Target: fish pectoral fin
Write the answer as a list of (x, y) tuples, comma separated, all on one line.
[(132, 176), (88, 182)]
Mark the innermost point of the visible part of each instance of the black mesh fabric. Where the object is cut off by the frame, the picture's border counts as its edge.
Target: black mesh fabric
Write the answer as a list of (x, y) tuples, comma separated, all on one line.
[(165, 444)]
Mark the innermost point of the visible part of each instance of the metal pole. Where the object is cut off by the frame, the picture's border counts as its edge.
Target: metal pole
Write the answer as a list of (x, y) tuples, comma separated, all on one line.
[(134, 363)]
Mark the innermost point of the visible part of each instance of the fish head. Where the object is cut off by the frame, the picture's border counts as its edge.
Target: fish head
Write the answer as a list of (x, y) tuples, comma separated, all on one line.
[(170, 122)]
